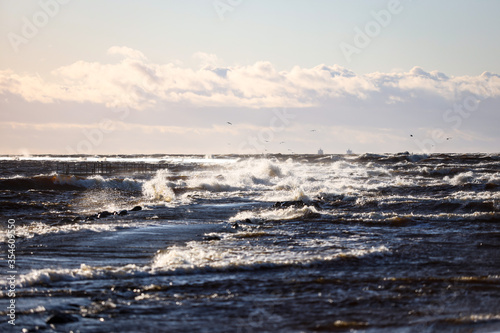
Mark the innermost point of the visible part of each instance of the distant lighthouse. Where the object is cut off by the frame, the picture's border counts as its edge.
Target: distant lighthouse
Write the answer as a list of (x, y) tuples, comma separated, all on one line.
[(320, 152)]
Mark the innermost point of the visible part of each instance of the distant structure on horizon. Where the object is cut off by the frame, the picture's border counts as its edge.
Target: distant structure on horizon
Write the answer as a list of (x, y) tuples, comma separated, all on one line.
[(320, 152), (348, 152)]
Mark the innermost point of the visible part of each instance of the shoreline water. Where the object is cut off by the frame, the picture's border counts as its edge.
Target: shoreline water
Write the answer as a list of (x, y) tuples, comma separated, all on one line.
[(365, 243)]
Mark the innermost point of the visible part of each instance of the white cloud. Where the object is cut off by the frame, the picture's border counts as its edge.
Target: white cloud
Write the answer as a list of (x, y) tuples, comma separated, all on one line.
[(126, 52), (138, 83), (206, 59)]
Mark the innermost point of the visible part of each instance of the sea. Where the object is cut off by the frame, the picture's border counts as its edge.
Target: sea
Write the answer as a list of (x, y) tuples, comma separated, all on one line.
[(262, 243)]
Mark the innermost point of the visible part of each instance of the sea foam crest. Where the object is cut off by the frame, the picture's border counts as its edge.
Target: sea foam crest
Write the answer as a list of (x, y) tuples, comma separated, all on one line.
[(239, 176), (39, 228), (199, 256), (290, 213), (159, 188), (470, 177), (85, 272), (98, 181)]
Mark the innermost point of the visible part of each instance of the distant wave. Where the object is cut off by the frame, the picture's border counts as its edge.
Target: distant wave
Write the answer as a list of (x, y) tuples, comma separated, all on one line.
[(67, 182)]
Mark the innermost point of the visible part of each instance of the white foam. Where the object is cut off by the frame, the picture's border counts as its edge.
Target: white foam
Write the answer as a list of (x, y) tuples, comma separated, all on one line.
[(381, 217), (252, 174), (85, 272), (464, 196), (200, 256), (470, 177), (289, 213), (98, 181), (38, 228), (159, 188), (461, 178), (272, 180)]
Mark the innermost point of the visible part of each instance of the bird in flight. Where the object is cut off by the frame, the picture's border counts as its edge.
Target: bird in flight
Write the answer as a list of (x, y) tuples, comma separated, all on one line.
[(229, 123), (448, 138)]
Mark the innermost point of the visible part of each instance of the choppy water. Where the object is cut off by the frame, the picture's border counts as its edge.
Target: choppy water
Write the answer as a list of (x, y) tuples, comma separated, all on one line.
[(303, 243)]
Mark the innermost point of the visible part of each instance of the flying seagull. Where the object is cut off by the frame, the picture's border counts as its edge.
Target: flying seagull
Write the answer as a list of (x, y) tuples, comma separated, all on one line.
[(229, 123)]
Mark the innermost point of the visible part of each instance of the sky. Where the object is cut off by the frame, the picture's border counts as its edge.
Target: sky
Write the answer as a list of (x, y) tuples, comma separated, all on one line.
[(249, 76)]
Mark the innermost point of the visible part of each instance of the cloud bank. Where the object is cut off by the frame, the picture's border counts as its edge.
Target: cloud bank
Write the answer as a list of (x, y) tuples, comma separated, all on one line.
[(136, 82)]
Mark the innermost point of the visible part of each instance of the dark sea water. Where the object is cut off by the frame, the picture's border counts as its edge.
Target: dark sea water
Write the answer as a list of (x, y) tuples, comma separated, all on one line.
[(302, 243)]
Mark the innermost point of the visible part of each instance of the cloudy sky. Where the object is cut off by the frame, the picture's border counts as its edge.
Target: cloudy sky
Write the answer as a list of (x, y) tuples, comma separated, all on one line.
[(249, 76)]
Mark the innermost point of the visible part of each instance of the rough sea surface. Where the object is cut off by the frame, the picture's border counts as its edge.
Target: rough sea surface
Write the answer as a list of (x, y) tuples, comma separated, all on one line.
[(300, 243)]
